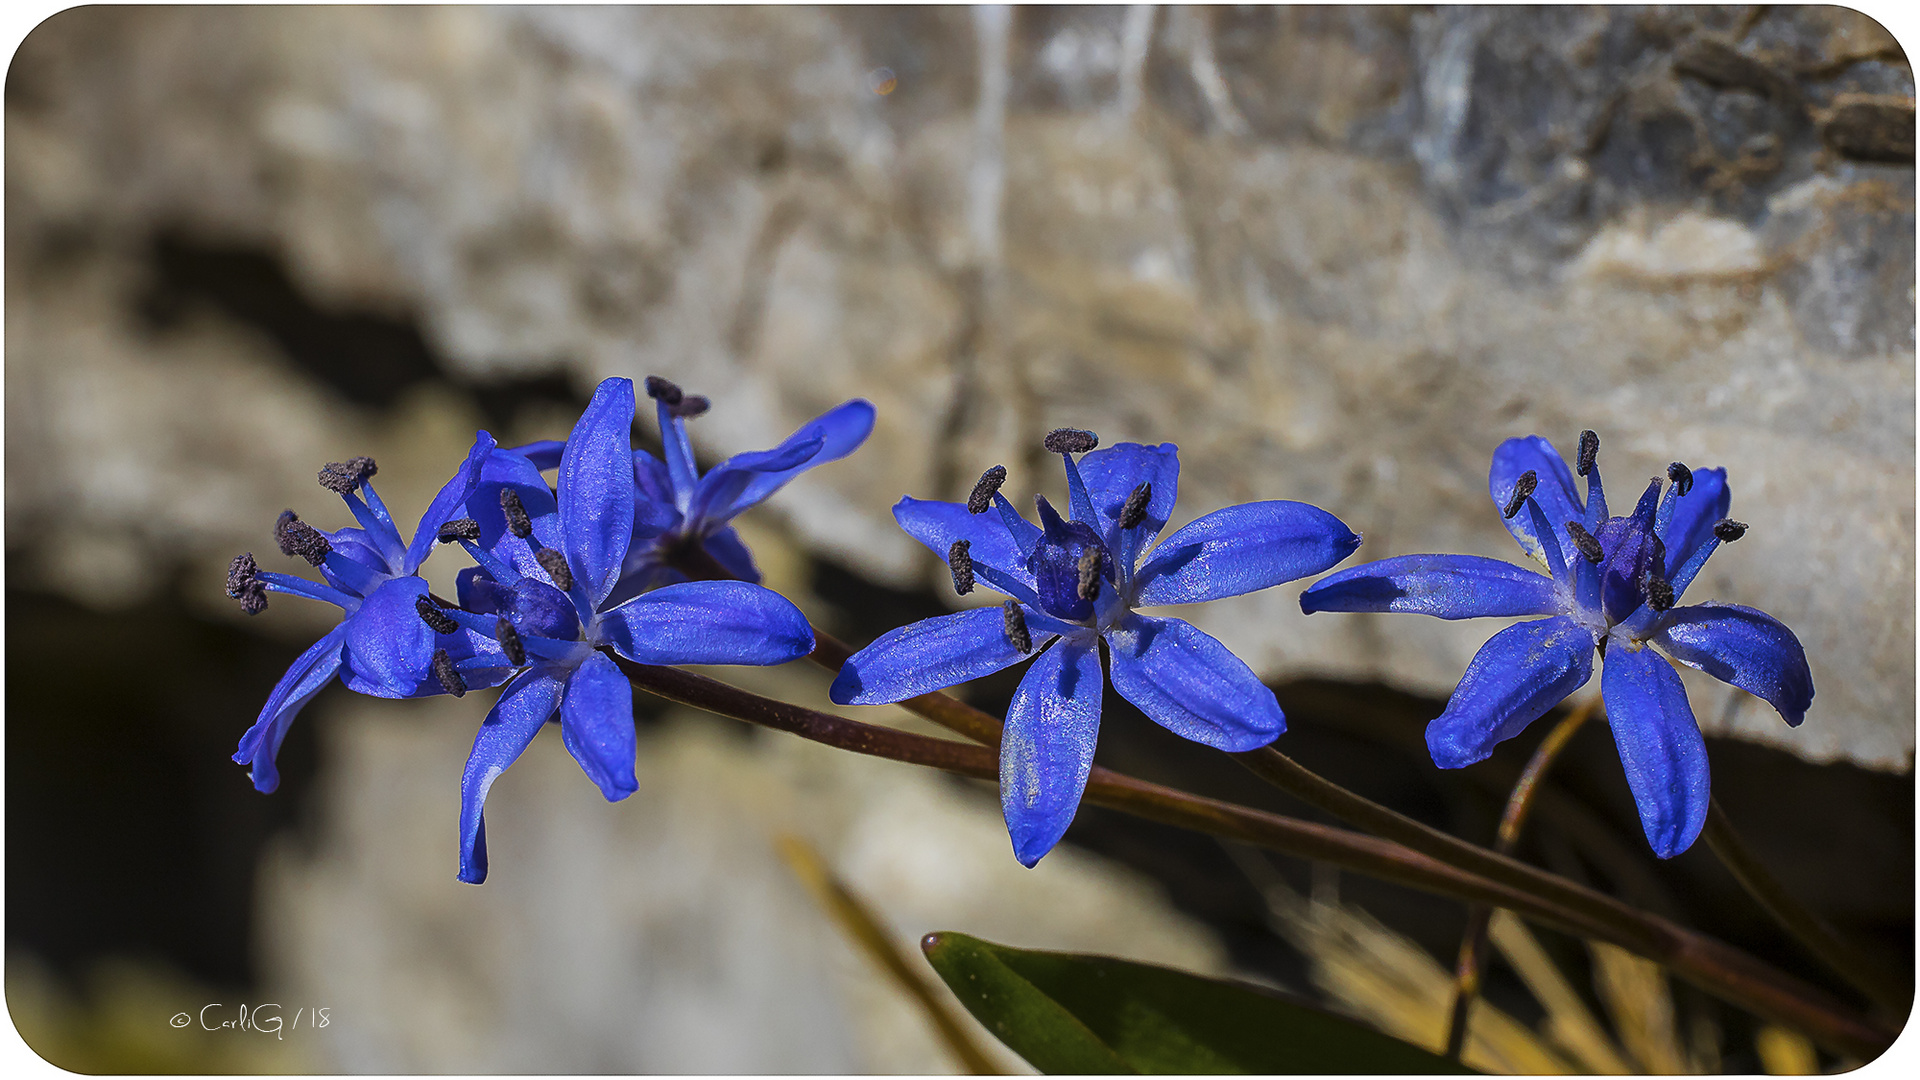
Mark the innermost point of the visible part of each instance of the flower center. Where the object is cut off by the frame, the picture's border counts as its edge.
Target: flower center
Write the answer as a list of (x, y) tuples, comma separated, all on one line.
[(541, 610), (1071, 567)]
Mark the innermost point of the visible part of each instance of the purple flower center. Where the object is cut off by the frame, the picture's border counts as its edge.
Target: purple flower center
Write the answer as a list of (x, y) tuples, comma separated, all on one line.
[(1056, 566)]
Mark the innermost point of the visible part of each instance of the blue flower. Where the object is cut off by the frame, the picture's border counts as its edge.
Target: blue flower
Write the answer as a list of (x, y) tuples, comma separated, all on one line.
[(548, 563), (383, 647), (1612, 587), (1075, 581), (681, 517)]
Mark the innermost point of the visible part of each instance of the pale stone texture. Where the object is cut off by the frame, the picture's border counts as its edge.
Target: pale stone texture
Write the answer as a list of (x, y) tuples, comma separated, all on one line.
[(662, 934), (1335, 254)]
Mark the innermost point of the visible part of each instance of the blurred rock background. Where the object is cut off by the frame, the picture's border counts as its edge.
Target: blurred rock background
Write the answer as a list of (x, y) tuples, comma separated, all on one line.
[(1335, 254)]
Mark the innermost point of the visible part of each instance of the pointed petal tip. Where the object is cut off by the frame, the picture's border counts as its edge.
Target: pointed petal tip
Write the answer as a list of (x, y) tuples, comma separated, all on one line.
[(1030, 848), (846, 688)]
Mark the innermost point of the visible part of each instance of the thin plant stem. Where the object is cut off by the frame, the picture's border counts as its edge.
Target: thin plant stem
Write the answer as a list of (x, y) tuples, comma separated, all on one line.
[(1807, 927), (1716, 967), (1473, 943), (859, 923)]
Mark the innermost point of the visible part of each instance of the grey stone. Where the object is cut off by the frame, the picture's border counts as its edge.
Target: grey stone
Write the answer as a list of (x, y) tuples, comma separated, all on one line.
[(1336, 254)]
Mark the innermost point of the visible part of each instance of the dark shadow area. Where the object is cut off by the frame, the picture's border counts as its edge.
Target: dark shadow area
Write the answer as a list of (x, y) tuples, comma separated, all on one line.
[(368, 357), (130, 831)]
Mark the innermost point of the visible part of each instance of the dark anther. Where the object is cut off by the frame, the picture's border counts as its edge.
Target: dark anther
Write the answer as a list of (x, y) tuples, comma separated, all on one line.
[(1068, 440), (1135, 511), (960, 562), (1584, 540), (243, 584), (1522, 491), (1659, 592), (280, 527), (1589, 450), (343, 477), (555, 564), (430, 613), (449, 679), (299, 538), (459, 529), (663, 390), (982, 496), (1729, 530), (691, 406), (1681, 476), (1090, 574), (242, 573), (517, 521), (509, 640), (1017, 635)]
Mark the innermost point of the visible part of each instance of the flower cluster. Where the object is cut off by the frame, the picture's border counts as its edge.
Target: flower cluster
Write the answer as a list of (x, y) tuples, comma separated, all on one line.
[(541, 611), (1075, 581), (1610, 590), (632, 559)]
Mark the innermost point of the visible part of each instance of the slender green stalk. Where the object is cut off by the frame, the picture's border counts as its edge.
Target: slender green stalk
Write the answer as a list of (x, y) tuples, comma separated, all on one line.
[(864, 928), (1473, 943), (1714, 966), (1807, 927)]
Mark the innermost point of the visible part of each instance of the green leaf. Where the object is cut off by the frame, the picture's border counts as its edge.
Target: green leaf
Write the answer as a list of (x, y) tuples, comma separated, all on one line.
[(1066, 1013)]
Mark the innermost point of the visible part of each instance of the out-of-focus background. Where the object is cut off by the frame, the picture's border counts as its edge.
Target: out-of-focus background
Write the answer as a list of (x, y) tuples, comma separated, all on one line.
[(1335, 254)]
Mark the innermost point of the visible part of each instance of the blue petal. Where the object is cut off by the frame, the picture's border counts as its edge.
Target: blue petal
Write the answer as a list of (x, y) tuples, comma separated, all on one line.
[(507, 470), (1046, 750), (1693, 516), (650, 476), (596, 723), (596, 490), (447, 505), (1513, 680), (651, 518), (1242, 548), (307, 677), (544, 453), (1750, 649), (708, 622), (1444, 586), (357, 545), (1112, 474), (732, 555), (479, 593), (524, 705), (1660, 747), (1192, 685), (717, 496), (929, 655), (389, 648), (1556, 494), (841, 430), (998, 559)]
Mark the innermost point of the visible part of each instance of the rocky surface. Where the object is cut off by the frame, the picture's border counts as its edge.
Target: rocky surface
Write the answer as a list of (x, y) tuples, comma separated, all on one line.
[(1335, 254), (661, 935)]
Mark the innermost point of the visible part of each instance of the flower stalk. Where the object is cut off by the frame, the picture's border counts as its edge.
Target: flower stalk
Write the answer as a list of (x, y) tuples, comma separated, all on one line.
[(1473, 943), (1718, 968)]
